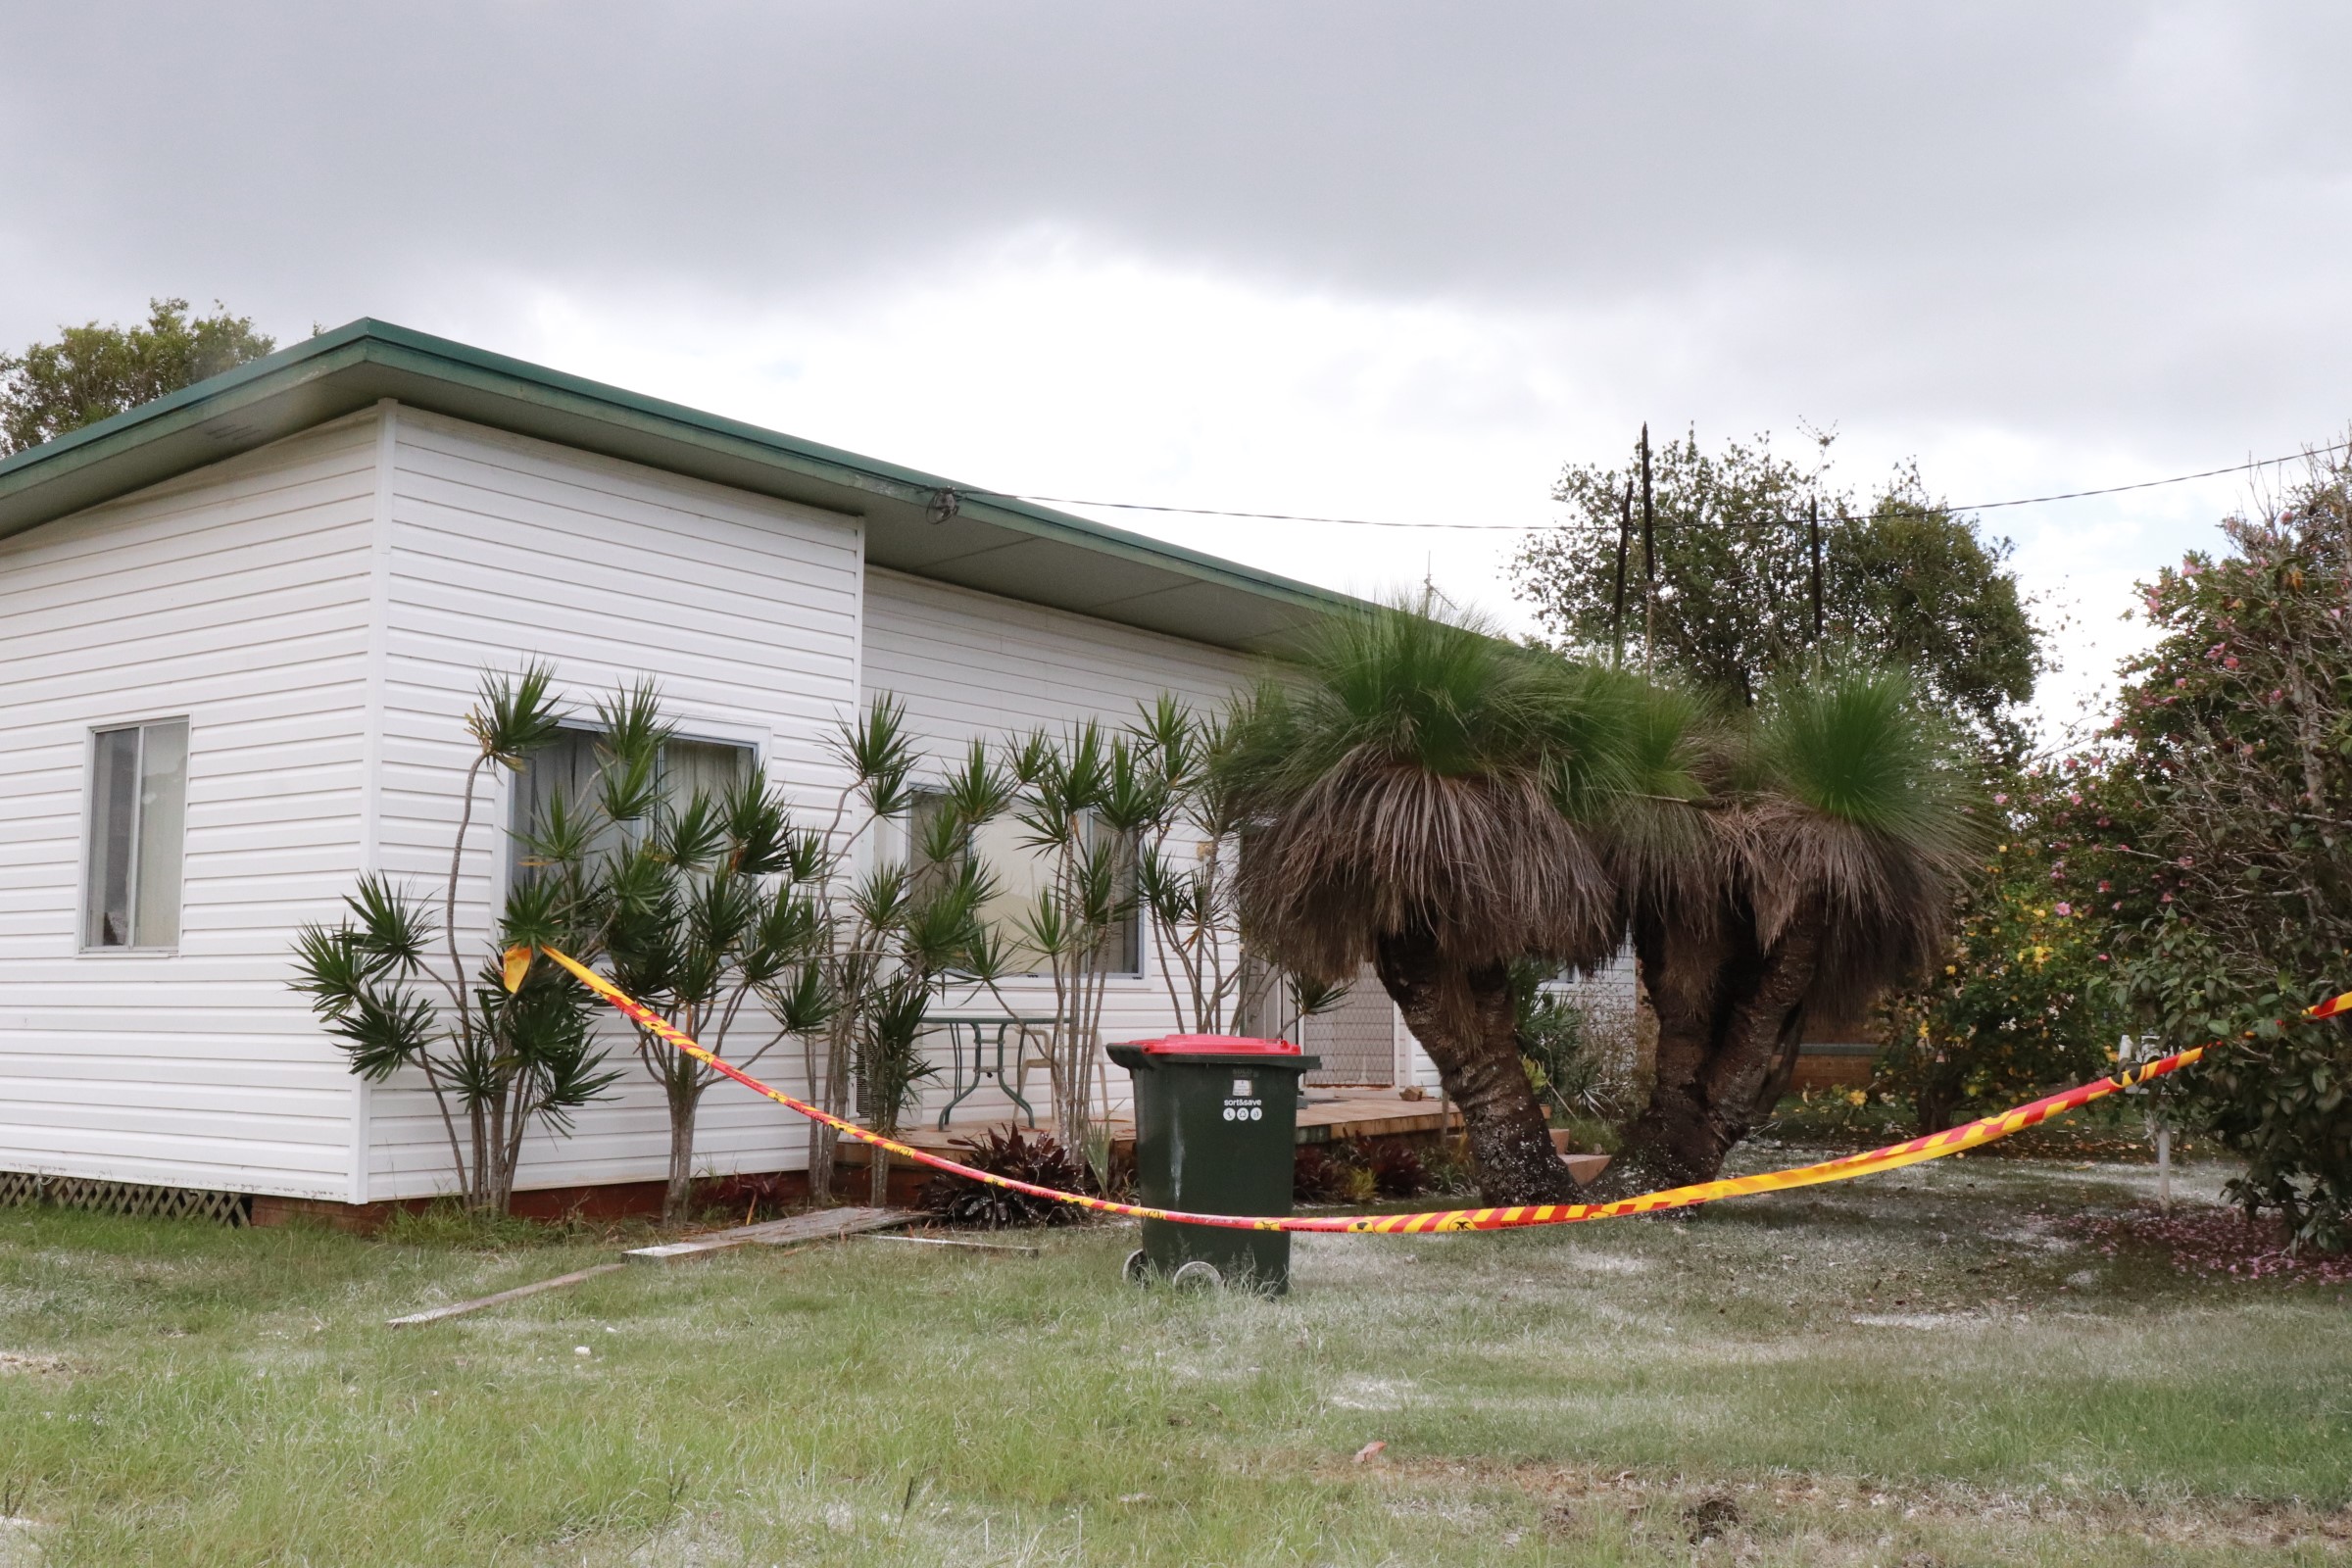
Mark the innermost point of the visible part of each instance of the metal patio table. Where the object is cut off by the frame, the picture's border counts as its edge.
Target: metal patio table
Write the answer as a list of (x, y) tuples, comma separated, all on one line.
[(982, 1069)]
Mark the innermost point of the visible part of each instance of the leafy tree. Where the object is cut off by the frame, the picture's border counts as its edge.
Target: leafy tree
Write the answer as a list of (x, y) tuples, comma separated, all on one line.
[(498, 1059), (93, 373), (1415, 796), (2228, 777), (1903, 580), (1797, 855), (2021, 1003)]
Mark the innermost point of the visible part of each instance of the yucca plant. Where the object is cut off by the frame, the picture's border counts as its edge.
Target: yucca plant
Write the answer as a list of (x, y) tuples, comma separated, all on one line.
[(1796, 857), (1417, 793), (497, 1063)]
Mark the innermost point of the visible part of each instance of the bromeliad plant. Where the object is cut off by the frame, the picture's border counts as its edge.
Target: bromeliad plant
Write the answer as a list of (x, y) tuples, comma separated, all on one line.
[(395, 988)]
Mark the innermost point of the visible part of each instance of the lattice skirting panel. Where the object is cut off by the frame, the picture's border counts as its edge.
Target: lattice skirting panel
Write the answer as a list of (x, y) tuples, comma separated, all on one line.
[(18, 1188)]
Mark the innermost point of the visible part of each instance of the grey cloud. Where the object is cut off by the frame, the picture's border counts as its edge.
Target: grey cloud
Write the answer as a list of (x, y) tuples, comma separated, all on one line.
[(2090, 213)]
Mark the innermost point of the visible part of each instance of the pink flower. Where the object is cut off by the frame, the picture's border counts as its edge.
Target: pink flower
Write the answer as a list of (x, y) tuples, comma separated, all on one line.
[(2231, 663), (2277, 693), (2106, 887), (2000, 799), (2102, 957), (2166, 898), (2182, 681), (2066, 909)]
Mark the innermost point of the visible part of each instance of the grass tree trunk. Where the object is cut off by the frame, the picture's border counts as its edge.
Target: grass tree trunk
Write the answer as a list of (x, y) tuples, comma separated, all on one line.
[(1467, 1024), (1728, 1014)]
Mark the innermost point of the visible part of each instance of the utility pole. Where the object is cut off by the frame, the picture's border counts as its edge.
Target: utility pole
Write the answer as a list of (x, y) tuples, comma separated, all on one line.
[(1813, 532), (1625, 542), (1649, 561)]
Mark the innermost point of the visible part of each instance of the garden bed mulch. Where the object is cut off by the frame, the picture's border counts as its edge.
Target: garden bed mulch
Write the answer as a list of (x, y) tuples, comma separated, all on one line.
[(2214, 1242)]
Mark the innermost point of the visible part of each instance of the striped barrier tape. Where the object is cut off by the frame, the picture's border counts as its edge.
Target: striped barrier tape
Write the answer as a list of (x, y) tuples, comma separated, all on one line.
[(1893, 1157)]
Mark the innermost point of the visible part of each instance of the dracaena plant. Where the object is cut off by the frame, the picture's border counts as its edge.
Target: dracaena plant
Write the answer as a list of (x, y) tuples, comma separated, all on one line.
[(1085, 801), (890, 938), (396, 988), (701, 902)]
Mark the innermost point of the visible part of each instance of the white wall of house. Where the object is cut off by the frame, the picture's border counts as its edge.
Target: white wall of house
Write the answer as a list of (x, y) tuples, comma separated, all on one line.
[(238, 598), (969, 666), (320, 612), (743, 609)]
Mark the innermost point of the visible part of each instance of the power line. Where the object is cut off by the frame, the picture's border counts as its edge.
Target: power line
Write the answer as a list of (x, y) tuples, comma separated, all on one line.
[(1515, 527)]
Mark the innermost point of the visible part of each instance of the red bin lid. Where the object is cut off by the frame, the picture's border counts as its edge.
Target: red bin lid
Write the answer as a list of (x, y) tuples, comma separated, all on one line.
[(1215, 1045)]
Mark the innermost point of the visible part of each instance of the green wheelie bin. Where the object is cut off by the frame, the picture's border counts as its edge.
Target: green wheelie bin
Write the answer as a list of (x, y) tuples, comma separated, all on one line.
[(1217, 1132)]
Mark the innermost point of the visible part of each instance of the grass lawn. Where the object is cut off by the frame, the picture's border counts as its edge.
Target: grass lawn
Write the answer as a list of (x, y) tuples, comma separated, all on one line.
[(1933, 1368)]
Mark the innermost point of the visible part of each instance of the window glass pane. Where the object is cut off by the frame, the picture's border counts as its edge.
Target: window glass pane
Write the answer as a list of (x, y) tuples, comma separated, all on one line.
[(569, 765), (565, 766), (1021, 874), (1122, 948), (113, 816), (162, 818), (710, 767)]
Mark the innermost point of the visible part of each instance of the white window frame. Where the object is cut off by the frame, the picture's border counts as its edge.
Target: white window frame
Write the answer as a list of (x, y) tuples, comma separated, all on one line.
[(82, 946)]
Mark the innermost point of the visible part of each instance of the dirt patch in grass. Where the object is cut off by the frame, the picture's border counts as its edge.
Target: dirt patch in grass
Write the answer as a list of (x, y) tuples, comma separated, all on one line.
[(1574, 1500), (2217, 1242)]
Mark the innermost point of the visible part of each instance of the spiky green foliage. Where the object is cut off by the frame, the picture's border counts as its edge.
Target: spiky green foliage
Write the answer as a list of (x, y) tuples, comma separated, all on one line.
[(498, 1065), (1861, 813), (1421, 795), (1421, 774), (1785, 861)]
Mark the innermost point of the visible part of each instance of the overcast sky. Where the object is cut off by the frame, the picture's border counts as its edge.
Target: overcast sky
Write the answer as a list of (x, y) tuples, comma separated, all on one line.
[(1379, 260)]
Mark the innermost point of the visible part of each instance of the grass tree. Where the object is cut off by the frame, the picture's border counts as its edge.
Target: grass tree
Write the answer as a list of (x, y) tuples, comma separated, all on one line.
[(703, 904), (1414, 792), (1793, 861), (395, 987)]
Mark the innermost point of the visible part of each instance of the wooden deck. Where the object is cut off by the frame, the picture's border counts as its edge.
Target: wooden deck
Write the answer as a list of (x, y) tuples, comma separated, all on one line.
[(1326, 1115)]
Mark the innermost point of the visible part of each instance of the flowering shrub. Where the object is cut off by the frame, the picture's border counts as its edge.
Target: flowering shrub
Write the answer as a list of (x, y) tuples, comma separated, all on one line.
[(2018, 1008), (2229, 765)]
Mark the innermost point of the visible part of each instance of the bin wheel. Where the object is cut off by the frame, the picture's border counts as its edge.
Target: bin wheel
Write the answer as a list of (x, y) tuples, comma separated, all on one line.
[(1196, 1276), (1135, 1271)]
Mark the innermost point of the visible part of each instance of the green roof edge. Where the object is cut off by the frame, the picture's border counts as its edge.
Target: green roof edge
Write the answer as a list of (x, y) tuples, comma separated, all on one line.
[(370, 340)]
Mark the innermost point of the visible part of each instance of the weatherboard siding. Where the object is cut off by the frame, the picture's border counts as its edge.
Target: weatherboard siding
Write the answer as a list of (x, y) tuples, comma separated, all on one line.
[(969, 666), (743, 609), (235, 595)]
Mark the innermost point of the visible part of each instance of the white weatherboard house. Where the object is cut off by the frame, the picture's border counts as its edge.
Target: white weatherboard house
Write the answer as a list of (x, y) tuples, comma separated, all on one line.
[(240, 627)]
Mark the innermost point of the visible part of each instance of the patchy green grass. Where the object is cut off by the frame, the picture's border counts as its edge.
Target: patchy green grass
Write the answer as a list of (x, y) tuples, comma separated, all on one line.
[(1923, 1369)]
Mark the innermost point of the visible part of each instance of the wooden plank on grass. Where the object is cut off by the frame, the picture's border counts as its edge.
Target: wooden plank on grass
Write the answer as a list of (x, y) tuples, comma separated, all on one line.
[(817, 1225), (460, 1308)]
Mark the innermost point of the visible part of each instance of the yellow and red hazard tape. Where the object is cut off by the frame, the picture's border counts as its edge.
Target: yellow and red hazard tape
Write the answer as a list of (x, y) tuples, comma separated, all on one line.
[(1893, 1157)]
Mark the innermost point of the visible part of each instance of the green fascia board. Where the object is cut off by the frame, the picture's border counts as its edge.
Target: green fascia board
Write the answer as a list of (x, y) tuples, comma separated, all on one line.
[(352, 366)]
